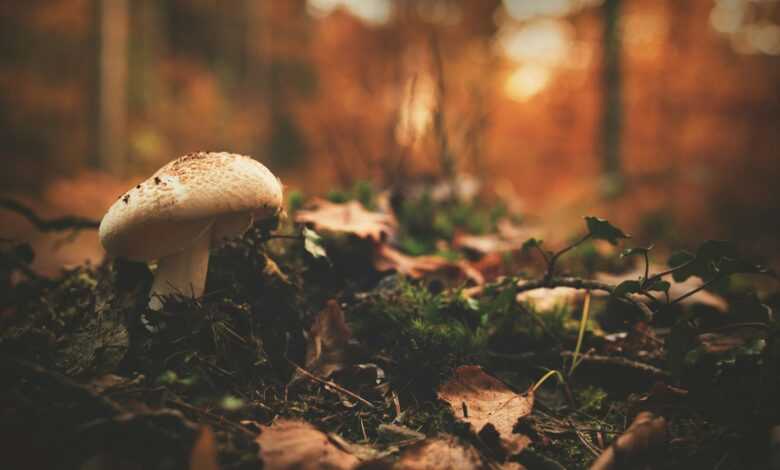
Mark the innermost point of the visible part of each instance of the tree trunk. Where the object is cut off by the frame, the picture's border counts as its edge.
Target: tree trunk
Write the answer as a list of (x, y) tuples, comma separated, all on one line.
[(112, 126), (612, 113)]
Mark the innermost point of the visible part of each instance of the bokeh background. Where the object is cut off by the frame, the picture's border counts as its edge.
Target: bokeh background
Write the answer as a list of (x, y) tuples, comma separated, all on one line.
[(660, 114)]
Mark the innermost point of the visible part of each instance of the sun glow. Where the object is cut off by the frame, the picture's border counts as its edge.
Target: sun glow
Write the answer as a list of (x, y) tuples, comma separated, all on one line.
[(526, 81)]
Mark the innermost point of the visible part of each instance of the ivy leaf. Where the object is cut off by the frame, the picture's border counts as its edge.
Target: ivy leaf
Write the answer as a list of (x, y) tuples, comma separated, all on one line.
[(659, 285), (627, 287), (636, 251), (312, 243), (713, 257), (531, 243), (730, 266), (679, 258), (601, 229)]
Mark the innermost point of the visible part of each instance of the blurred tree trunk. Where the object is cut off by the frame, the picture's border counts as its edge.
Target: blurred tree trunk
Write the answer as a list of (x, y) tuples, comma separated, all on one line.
[(112, 112), (612, 113)]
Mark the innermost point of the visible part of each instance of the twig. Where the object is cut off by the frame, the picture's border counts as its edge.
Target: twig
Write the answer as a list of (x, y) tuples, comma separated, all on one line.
[(621, 362), (331, 384), (701, 287), (21, 368), (215, 419), (59, 224), (586, 284)]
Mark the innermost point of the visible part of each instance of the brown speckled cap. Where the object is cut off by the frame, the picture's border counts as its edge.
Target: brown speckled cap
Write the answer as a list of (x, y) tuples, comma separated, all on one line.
[(220, 191)]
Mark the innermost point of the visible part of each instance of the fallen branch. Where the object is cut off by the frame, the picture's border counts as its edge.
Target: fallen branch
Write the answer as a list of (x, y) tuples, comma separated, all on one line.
[(331, 384), (60, 224), (18, 368), (587, 284), (646, 369)]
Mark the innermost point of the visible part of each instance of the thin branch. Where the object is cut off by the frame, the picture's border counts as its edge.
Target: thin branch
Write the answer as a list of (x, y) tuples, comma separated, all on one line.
[(65, 386), (59, 224), (214, 418), (701, 287), (646, 369), (668, 271), (586, 284)]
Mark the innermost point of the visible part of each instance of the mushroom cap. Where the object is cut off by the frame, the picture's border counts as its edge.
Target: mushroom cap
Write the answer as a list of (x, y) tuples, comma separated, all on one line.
[(186, 197)]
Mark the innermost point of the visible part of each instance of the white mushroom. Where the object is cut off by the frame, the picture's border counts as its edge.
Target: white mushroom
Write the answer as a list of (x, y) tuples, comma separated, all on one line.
[(188, 206)]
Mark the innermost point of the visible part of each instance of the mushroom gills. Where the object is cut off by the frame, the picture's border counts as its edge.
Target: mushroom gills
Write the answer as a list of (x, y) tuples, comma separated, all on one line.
[(184, 272)]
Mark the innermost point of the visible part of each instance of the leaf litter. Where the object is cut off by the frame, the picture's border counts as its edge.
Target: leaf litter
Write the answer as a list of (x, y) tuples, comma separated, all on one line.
[(215, 385)]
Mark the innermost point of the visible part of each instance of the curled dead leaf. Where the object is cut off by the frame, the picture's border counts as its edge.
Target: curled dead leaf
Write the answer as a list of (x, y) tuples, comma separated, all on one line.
[(327, 342), (482, 400), (646, 433), (297, 445), (349, 217), (417, 267)]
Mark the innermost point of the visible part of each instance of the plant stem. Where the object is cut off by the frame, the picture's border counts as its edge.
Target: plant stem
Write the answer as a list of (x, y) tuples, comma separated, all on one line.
[(701, 287), (551, 263), (668, 271)]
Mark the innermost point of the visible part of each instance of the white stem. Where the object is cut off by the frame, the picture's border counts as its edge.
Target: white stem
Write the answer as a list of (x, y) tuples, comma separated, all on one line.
[(182, 273)]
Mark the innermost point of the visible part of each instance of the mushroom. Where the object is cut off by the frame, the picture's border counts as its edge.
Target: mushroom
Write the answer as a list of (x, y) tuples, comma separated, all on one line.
[(187, 207)]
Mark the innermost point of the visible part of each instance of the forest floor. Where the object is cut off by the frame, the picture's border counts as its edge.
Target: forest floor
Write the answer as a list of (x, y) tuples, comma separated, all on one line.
[(412, 331)]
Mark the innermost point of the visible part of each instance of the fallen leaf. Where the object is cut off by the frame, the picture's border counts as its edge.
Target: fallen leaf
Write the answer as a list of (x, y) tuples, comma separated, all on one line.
[(720, 342), (288, 445), (646, 433), (349, 217), (443, 452), (327, 342), (204, 452), (508, 237), (545, 300), (417, 267), (484, 401)]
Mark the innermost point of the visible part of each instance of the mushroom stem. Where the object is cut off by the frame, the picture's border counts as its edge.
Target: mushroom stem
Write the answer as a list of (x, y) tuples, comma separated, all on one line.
[(184, 272)]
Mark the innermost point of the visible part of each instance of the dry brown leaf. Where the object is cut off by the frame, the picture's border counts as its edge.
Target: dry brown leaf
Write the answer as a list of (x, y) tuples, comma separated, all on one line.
[(545, 299), (327, 342), (646, 433), (720, 342), (297, 445), (388, 258), (349, 217), (481, 399), (443, 452), (204, 452), (509, 237), (677, 289)]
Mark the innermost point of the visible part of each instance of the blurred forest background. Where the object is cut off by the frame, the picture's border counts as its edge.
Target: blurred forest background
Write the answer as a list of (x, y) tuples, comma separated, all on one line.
[(659, 114)]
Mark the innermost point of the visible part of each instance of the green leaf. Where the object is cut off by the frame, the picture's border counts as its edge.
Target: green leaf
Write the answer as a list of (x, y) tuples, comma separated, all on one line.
[(231, 403), (679, 258), (312, 243), (659, 285), (730, 266), (636, 251), (627, 287), (531, 243), (601, 229)]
